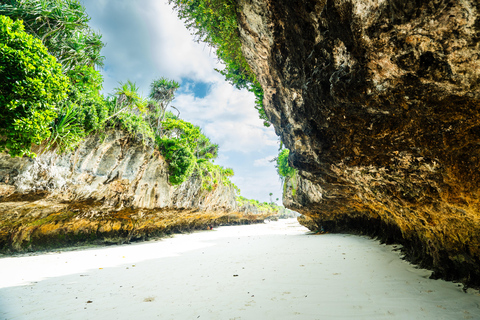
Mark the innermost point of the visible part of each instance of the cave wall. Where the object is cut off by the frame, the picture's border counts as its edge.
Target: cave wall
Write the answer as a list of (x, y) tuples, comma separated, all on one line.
[(379, 104)]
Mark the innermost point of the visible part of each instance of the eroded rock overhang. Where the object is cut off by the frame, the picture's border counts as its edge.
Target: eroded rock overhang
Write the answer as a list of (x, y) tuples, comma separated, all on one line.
[(379, 104)]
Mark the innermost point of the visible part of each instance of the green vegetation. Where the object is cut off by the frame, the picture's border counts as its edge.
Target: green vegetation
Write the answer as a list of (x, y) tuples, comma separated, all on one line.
[(62, 26), (178, 144), (66, 131), (261, 206), (215, 23), (187, 151), (283, 169), (271, 208), (212, 174), (162, 93), (84, 94), (56, 104), (32, 86)]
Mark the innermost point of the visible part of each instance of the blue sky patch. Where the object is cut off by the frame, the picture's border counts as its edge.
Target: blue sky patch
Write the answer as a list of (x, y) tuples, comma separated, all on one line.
[(198, 88)]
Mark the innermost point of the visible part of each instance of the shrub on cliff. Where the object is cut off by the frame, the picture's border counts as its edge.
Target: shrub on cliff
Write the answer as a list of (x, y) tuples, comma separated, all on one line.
[(212, 175), (177, 143), (32, 85), (283, 169), (84, 93), (188, 151), (180, 159)]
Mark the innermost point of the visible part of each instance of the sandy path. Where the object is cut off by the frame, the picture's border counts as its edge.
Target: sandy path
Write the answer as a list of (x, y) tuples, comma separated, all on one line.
[(270, 271)]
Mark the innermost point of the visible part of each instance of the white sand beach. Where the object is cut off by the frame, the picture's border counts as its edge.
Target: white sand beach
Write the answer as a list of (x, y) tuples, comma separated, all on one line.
[(275, 270)]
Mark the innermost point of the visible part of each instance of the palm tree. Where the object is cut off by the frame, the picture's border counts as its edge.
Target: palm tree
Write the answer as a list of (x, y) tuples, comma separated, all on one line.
[(162, 91), (271, 194), (127, 99)]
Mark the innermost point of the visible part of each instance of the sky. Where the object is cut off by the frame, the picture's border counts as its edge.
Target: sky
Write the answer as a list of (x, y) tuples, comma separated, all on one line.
[(145, 41)]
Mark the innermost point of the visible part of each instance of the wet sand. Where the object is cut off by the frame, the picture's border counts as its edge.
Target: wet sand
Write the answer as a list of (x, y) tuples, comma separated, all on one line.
[(270, 271)]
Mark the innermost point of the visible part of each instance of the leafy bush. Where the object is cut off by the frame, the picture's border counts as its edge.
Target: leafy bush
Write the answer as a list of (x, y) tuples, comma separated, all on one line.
[(87, 81), (134, 124), (212, 175), (177, 144), (188, 150), (84, 91), (205, 149), (32, 85), (180, 158), (283, 169), (184, 131)]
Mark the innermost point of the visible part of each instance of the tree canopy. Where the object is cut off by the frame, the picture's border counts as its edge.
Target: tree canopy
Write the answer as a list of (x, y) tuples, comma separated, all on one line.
[(62, 26)]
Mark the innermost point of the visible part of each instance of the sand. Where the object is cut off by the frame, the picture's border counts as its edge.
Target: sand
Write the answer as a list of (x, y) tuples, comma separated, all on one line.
[(276, 270)]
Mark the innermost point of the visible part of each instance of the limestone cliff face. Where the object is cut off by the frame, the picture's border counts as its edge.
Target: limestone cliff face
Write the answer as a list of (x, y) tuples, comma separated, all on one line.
[(379, 103), (112, 188)]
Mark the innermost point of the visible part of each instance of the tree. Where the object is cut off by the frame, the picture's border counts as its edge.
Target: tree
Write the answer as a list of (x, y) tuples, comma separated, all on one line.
[(180, 158), (162, 91), (128, 99), (271, 194), (32, 85), (178, 144), (84, 93)]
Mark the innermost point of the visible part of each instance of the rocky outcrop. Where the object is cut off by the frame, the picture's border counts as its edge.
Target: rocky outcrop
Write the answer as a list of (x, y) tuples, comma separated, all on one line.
[(379, 104), (112, 189)]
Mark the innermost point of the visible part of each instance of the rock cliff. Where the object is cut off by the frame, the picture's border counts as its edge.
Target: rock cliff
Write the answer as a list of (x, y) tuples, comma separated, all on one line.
[(111, 189), (379, 104)]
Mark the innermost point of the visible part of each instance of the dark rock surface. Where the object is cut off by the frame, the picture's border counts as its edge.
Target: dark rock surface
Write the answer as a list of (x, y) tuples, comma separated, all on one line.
[(379, 104)]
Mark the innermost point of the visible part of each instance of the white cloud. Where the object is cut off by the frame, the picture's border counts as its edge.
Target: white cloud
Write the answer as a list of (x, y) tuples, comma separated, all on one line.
[(228, 117), (173, 48), (264, 162)]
